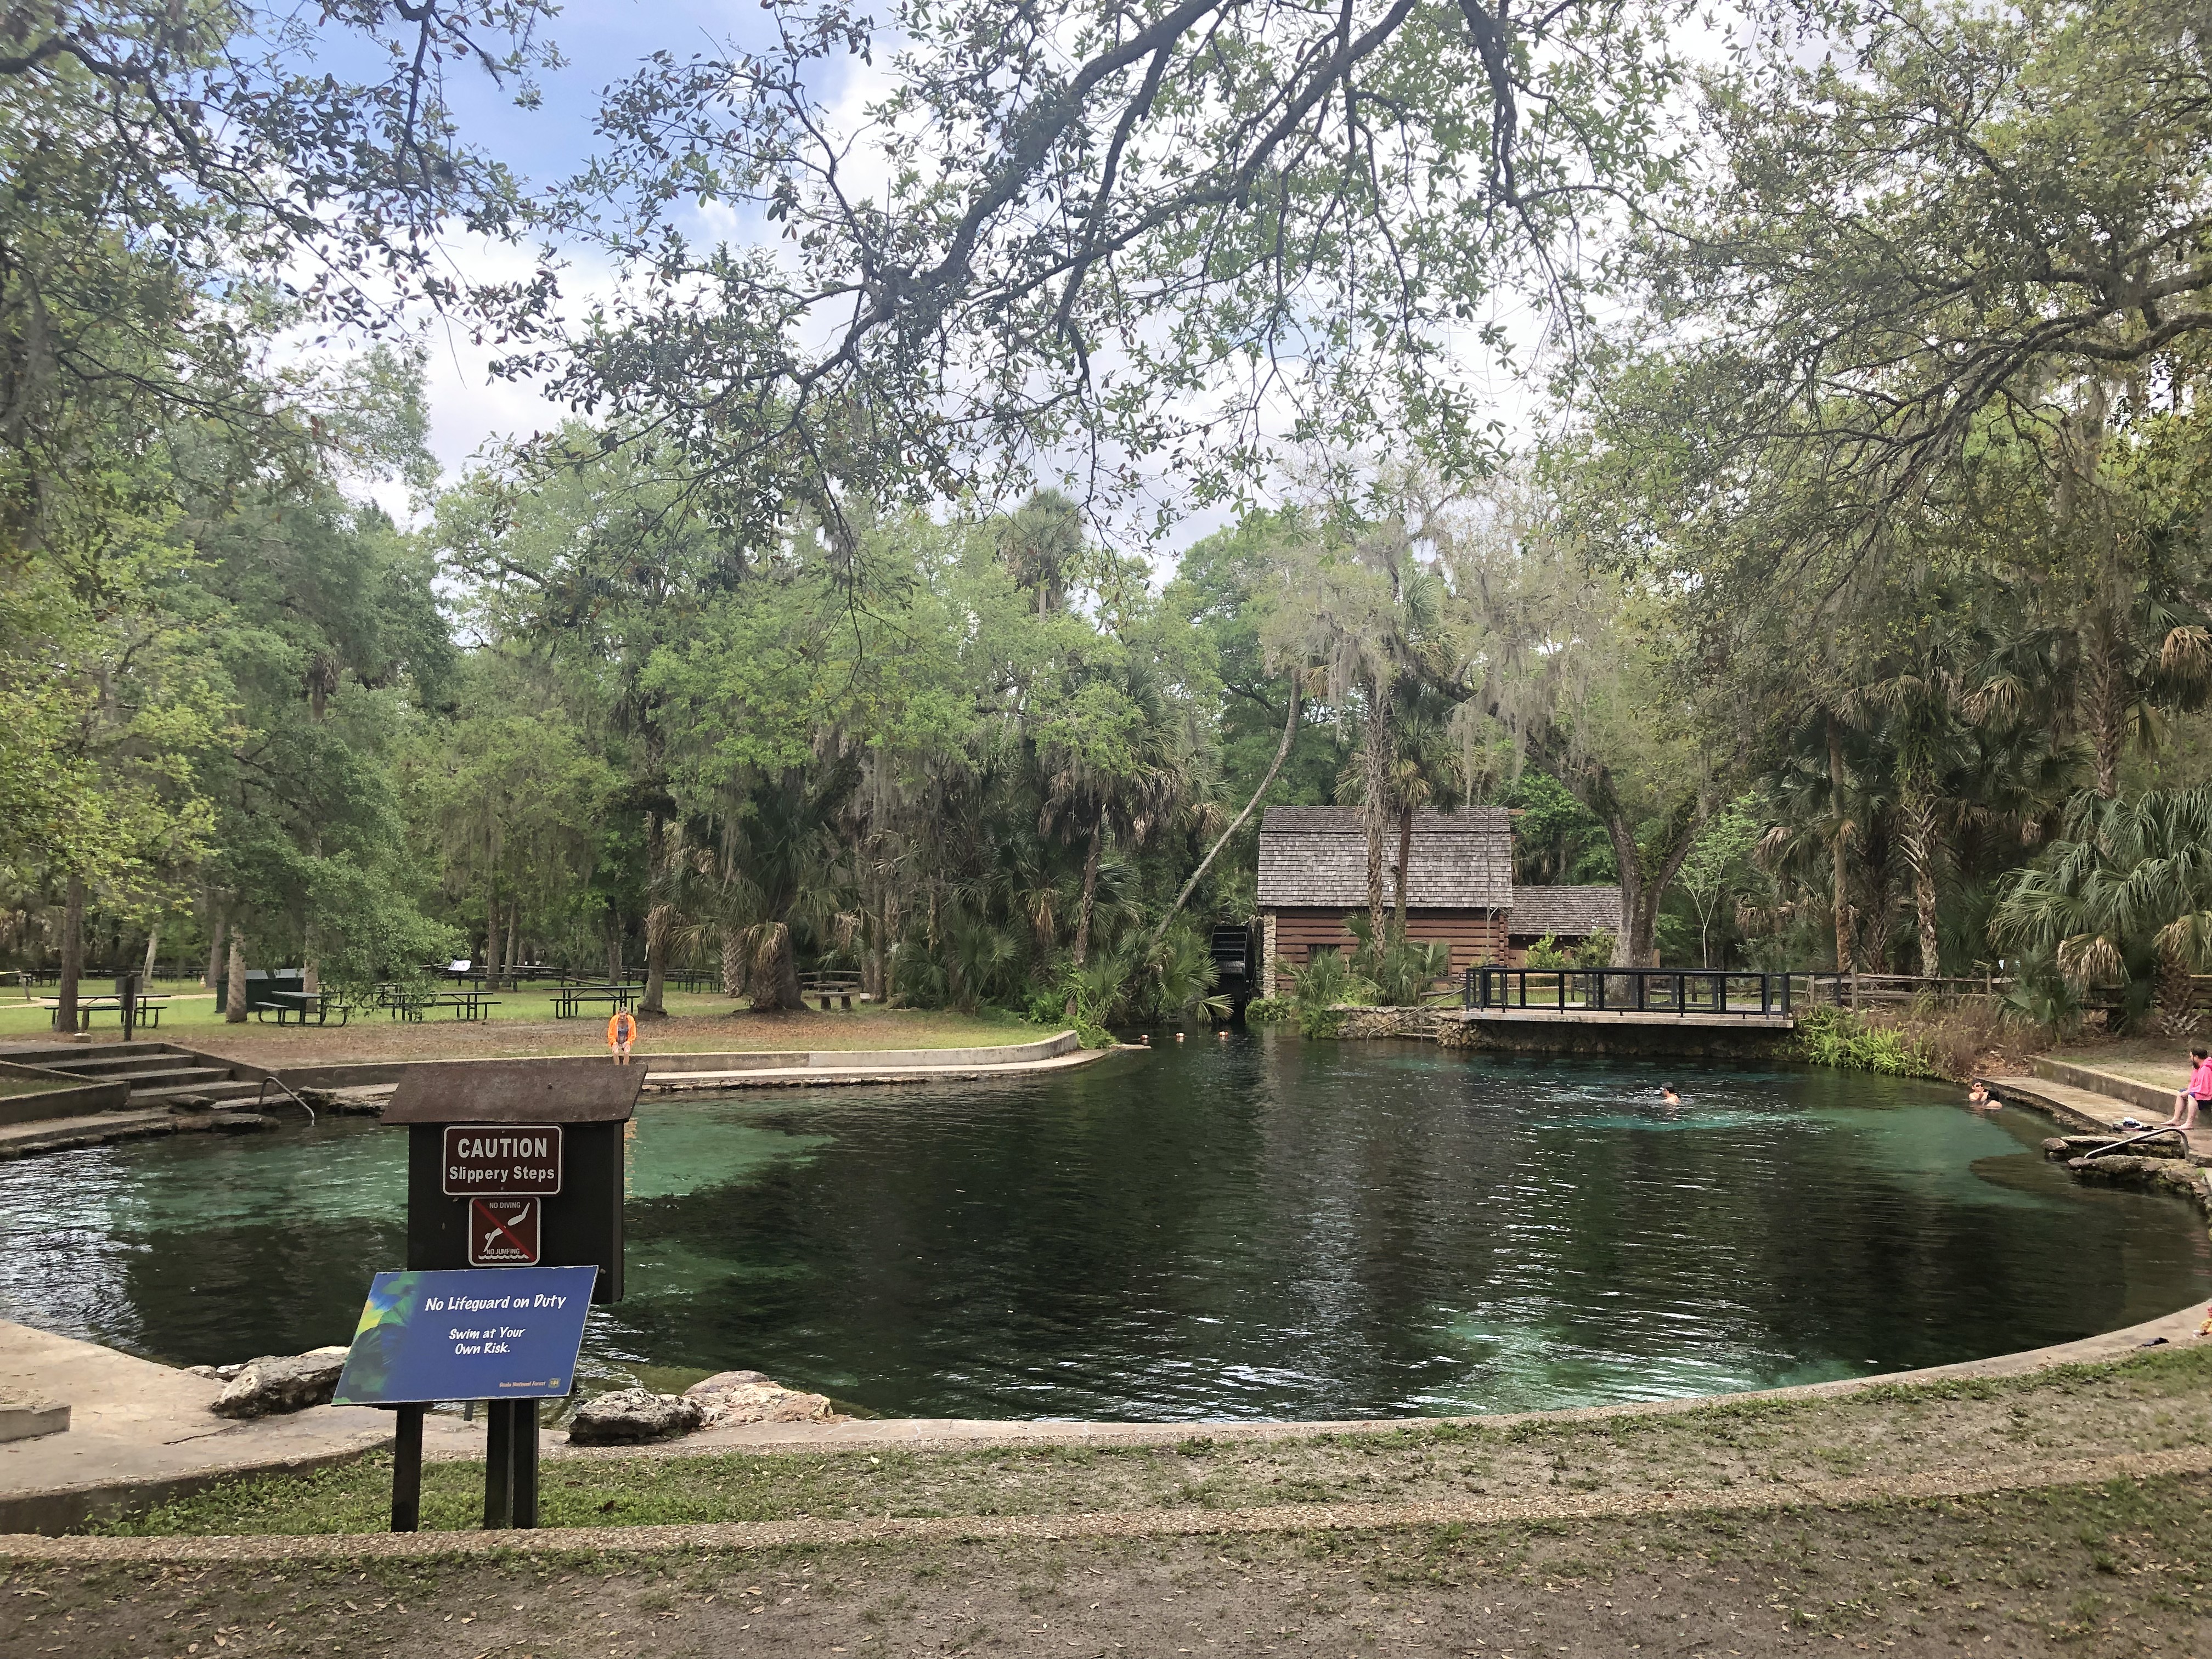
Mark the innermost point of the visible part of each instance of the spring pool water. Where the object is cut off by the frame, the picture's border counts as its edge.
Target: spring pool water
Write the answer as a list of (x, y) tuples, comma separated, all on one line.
[(1263, 1227)]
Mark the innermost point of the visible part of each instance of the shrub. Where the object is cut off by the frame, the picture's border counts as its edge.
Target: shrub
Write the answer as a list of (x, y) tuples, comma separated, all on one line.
[(1316, 988), (1850, 1043), (1262, 1009), (1546, 952)]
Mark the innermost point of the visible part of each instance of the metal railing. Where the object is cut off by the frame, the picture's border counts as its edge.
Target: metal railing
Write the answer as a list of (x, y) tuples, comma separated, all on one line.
[(1736, 991)]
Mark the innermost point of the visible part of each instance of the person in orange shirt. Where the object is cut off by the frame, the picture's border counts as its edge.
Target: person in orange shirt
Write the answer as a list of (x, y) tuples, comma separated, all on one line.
[(622, 1031)]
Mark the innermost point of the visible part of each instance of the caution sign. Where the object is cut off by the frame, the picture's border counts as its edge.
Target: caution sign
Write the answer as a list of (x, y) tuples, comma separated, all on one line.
[(502, 1160), (503, 1232)]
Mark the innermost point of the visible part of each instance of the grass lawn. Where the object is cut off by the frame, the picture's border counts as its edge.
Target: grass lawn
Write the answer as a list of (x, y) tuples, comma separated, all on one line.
[(2154, 1402), (523, 1024), (2089, 1570), (2119, 1567)]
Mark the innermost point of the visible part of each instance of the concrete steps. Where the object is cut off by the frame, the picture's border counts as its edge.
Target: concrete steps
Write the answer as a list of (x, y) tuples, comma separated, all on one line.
[(159, 1074)]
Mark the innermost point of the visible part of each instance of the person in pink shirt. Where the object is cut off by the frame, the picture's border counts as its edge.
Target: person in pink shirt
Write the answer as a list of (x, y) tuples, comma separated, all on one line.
[(2195, 1093)]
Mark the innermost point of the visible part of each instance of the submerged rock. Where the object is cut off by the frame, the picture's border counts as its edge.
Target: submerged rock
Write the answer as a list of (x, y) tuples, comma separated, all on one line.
[(629, 1416), (277, 1384)]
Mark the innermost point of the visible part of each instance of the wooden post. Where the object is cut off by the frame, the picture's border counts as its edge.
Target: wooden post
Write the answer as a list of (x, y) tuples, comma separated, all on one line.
[(407, 1469)]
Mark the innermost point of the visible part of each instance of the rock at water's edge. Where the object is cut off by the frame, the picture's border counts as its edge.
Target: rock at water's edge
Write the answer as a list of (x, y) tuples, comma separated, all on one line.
[(629, 1416), (750, 1397), (272, 1386)]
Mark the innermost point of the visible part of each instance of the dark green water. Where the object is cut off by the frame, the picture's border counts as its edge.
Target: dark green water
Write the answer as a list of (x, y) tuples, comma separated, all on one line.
[(1260, 1227)]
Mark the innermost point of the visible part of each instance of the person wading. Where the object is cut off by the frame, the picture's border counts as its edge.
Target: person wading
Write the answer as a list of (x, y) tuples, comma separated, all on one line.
[(622, 1031)]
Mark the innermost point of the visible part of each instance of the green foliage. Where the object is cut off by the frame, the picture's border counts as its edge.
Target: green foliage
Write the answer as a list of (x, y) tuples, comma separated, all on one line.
[(1266, 1011), (1327, 980), (1843, 1039), (1546, 952), (1402, 973), (2124, 898), (1092, 992)]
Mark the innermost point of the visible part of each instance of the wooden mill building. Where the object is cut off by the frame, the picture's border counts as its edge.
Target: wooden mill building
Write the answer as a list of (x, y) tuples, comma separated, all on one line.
[(1459, 882)]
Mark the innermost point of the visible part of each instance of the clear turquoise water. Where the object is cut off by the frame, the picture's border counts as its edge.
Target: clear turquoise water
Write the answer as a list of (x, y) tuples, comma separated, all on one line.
[(1259, 1228)]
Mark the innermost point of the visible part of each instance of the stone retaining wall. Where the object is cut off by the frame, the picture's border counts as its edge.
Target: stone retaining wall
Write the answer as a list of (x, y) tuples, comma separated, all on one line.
[(1366, 1022)]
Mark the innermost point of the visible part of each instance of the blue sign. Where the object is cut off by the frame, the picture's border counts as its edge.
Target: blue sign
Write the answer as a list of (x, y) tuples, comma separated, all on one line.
[(467, 1334)]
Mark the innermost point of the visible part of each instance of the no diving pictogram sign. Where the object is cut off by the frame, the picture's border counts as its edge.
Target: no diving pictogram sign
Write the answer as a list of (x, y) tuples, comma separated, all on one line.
[(503, 1232)]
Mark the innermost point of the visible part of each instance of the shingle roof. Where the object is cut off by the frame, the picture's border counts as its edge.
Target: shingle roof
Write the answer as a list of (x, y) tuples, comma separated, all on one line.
[(1572, 912), (1317, 856)]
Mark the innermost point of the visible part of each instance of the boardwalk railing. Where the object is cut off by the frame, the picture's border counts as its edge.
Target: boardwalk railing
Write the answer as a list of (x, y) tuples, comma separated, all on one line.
[(1862, 990), (1736, 991)]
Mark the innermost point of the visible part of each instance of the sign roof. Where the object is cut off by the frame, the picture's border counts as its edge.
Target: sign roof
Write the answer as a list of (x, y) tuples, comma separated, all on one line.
[(578, 1090)]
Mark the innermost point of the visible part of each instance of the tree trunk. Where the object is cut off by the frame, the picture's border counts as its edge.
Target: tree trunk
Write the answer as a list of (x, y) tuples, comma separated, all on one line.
[(1089, 888), (775, 973), (1405, 858), (214, 947), (2109, 724), (658, 921), (1839, 871), (886, 957), (2176, 994), (490, 962), (1282, 750), (234, 994), (733, 962), (614, 949), (1917, 814), (1376, 754), (153, 950), (72, 956), (1642, 888), (514, 939)]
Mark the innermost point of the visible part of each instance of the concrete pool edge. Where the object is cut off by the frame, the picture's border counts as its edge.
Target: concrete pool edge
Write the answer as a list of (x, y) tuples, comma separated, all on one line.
[(2178, 1328), (42, 1513)]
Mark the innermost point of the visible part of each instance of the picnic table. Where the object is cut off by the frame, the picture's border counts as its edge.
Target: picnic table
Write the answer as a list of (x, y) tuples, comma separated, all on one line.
[(465, 1005), (843, 987), (304, 1007), (568, 1001), (149, 1011)]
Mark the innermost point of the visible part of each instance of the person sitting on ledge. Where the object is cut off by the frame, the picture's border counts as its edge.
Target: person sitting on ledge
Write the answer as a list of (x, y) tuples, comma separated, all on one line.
[(2194, 1093)]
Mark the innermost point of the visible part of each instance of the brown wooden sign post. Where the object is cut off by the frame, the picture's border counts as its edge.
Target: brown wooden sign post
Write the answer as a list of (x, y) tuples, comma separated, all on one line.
[(510, 1163)]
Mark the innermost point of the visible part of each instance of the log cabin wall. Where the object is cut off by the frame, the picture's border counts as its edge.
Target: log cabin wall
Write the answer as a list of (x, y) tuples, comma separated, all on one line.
[(1476, 936)]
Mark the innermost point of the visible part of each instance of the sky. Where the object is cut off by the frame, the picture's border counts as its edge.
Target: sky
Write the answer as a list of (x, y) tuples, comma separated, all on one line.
[(603, 41)]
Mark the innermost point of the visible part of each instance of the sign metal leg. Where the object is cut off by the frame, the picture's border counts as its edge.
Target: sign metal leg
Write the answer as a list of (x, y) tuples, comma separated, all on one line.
[(407, 1469), (522, 1456), (499, 1464)]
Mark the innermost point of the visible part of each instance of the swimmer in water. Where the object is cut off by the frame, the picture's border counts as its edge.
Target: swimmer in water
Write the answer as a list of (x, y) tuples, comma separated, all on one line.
[(1979, 1099), (1667, 1097)]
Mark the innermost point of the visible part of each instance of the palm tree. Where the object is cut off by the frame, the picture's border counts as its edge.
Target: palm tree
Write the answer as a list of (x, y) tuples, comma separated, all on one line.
[(2125, 894)]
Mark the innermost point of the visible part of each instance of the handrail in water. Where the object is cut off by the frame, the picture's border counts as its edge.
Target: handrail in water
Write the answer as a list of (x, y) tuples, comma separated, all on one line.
[(287, 1088)]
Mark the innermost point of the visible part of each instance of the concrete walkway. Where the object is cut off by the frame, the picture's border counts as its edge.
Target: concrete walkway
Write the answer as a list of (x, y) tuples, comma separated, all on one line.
[(818, 1075), (2088, 1111), (140, 1433)]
